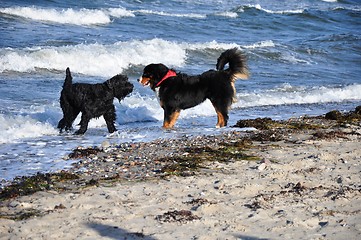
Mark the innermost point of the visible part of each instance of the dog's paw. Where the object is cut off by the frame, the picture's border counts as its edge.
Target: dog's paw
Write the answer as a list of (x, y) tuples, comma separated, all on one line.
[(79, 132)]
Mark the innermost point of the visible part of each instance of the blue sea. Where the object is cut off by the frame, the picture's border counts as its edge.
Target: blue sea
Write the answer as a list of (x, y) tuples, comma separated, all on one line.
[(304, 58)]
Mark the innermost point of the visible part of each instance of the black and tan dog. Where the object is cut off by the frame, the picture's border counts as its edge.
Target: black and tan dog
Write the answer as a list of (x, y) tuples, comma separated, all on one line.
[(177, 91), (92, 100)]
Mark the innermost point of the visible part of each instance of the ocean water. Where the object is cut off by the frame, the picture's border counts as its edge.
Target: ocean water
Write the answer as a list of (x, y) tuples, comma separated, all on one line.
[(304, 57)]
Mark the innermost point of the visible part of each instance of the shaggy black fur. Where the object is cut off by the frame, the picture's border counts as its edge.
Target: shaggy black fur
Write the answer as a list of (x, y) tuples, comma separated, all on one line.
[(92, 100), (183, 91)]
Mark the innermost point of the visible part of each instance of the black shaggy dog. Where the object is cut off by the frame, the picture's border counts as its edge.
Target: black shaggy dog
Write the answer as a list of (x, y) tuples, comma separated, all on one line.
[(93, 100), (177, 91)]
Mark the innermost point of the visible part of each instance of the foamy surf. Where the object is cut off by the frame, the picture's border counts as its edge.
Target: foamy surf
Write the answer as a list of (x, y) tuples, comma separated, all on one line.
[(68, 16), (14, 128), (107, 60), (162, 13), (244, 8), (93, 59), (288, 95)]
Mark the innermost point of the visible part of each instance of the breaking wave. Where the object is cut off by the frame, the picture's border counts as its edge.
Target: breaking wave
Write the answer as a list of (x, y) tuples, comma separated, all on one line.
[(68, 16), (287, 95), (107, 60)]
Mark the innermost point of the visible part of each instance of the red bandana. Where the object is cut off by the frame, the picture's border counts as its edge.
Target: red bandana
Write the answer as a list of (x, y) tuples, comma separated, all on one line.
[(169, 74)]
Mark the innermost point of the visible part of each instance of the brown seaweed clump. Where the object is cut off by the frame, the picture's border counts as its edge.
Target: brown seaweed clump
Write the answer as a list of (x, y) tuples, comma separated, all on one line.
[(329, 135), (181, 216), (195, 158), (39, 182), (348, 117), (333, 115), (259, 123), (84, 152)]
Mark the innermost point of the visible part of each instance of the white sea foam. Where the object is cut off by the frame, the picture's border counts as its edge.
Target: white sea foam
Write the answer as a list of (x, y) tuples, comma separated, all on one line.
[(262, 44), (162, 13), (13, 128), (107, 60), (93, 59), (207, 45), (287, 94), (227, 14), (84, 16), (352, 8), (259, 7), (68, 16)]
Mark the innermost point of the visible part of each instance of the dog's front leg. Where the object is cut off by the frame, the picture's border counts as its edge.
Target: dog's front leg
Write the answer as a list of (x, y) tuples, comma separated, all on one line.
[(61, 125), (83, 124), (170, 117)]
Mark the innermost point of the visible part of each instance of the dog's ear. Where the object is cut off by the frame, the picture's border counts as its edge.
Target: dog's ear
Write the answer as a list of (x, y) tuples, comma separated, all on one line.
[(156, 71), (162, 71)]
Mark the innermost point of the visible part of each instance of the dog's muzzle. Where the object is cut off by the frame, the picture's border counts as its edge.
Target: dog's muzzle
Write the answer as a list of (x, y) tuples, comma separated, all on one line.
[(144, 81)]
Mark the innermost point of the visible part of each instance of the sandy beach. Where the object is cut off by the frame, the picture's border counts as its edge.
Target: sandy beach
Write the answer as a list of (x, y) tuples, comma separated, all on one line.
[(295, 179)]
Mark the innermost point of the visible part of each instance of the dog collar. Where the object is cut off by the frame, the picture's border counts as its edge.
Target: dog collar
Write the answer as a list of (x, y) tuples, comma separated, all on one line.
[(169, 74)]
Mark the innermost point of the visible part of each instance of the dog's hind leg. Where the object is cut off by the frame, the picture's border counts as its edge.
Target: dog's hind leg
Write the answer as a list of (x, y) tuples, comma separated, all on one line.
[(67, 120), (170, 117), (83, 124), (222, 114), (109, 118)]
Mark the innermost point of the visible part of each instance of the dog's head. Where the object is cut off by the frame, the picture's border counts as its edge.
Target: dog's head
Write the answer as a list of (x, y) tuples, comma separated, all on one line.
[(152, 74), (120, 85)]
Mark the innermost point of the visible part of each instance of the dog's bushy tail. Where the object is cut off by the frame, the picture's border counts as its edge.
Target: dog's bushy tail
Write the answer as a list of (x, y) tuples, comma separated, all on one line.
[(68, 80), (237, 63)]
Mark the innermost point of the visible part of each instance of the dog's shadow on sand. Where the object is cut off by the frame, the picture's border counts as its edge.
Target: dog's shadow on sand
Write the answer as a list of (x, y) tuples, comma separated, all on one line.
[(115, 232)]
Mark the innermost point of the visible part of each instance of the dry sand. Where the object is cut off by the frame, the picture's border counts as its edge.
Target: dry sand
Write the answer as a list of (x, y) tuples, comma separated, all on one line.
[(302, 188)]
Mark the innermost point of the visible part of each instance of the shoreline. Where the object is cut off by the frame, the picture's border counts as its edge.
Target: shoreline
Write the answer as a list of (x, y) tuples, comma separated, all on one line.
[(298, 178)]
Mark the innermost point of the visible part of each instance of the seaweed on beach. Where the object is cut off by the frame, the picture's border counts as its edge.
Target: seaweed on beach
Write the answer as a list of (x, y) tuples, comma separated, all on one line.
[(199, 201), (342, 192), (268, 136), (258, 123), (39, 182), (22, 215), (350, 117), (221, 154), (84, 152), (181, 166), (195, 158), (329, 135), (268, 125), (181, 216)]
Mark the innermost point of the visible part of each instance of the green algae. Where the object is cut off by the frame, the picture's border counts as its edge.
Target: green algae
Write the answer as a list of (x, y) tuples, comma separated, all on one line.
[(196, 158), (22, 215), (39, 182)]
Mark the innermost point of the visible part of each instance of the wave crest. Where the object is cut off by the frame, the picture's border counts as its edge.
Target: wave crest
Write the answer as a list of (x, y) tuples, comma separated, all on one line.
[(93, 59), (68, 16), (287, 95), (107, 60)]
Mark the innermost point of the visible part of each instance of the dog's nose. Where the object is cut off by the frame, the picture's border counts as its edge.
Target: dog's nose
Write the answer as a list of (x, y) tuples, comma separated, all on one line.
[(138, 80)]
